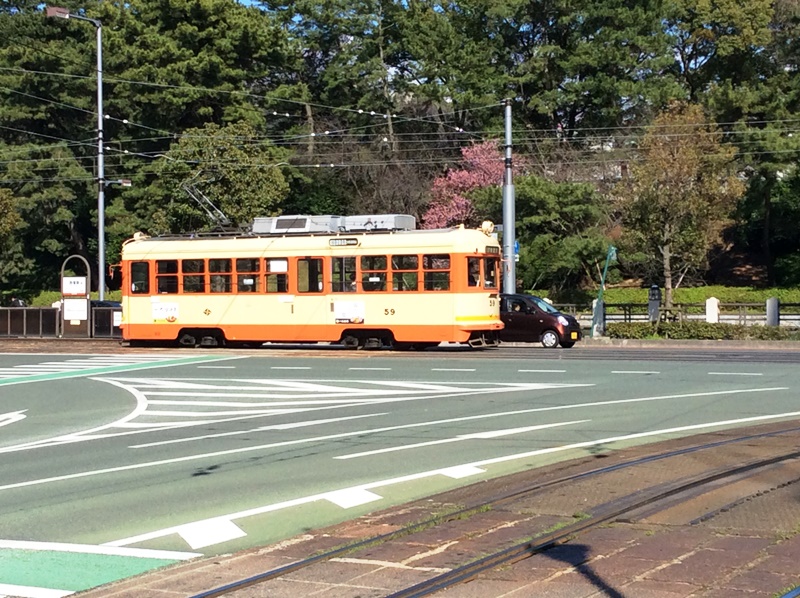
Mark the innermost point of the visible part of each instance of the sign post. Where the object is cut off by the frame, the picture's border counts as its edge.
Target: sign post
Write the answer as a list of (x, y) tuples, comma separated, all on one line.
[(599, 308), (75, 312)]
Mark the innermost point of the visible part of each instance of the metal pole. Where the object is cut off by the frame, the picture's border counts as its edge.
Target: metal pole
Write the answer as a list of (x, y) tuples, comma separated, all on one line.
[(101, 172), (64, 13), (509, 215)]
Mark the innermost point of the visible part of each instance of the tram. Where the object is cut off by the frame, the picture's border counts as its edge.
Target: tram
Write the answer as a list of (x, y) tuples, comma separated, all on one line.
[(361, 281)]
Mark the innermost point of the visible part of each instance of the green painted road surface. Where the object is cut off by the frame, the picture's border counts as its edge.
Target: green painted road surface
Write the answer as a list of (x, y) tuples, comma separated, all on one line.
[(88, 370), (59, 570)]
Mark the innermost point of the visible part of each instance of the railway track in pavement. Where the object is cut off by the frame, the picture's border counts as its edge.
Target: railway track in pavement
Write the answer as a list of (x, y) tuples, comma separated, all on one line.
[(475, 532)]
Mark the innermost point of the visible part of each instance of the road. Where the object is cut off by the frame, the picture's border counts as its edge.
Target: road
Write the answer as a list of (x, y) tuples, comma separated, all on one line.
[(111, 465)]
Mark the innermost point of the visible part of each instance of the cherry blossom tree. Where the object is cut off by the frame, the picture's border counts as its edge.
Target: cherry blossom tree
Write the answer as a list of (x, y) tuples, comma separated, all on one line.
[(450, 205)]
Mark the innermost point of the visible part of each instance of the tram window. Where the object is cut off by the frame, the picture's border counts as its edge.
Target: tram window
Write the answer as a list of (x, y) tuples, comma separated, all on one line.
[(140, 278), (167, 284), (405, 281), (490, 272), (220, 280), (247, 264), (473, 271), (404, 272), (219, 265), (247, 283), (373, 272), (194, 280), (309, 275), (166, 276), (167, 267), (277, 275), (436, 272), (247, 279), (343, 275)]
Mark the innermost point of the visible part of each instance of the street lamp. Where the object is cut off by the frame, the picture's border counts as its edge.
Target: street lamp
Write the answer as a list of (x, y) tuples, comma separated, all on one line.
[(64, 13)]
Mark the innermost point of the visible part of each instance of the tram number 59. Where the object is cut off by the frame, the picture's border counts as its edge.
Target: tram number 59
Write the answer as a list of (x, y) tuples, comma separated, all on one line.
[(388, 312)]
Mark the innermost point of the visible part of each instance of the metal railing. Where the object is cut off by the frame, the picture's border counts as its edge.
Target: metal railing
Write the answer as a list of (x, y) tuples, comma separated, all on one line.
[(45, 322), (743, 314)]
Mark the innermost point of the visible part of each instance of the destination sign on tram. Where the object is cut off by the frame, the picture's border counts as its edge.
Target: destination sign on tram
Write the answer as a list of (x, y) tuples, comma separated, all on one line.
[(347, 242)]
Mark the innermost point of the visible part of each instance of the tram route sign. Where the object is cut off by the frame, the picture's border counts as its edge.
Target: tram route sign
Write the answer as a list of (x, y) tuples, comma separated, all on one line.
[(75, 316)]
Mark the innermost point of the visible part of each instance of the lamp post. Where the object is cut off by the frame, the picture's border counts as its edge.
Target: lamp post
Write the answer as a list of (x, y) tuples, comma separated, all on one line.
[(64, 13)]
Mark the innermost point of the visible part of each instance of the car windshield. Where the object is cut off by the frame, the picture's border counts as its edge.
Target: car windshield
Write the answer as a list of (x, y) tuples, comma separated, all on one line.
[(544, 305)]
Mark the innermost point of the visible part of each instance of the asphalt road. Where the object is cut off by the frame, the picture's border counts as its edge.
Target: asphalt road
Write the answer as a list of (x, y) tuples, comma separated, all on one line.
[(113, 465)]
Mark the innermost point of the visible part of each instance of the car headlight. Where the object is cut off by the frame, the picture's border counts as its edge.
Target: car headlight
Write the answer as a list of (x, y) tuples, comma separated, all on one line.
[(563, 321)]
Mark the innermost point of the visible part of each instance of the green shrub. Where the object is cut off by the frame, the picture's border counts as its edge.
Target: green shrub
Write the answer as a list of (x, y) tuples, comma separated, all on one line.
[(47, 298), (682, 295), (693, 330)]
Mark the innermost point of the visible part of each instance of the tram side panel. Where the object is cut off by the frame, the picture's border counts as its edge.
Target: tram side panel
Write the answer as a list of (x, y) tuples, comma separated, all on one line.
[(162, 302)]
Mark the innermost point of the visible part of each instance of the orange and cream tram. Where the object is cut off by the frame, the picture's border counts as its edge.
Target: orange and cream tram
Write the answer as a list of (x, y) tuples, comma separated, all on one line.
[(363, 281)]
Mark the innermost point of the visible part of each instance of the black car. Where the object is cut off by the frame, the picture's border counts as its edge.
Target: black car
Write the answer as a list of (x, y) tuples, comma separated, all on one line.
[(98, 303), (531, 319)]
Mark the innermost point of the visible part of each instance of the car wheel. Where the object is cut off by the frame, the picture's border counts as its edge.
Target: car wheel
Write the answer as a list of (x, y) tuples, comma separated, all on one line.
[(549, 339), (568, 344)]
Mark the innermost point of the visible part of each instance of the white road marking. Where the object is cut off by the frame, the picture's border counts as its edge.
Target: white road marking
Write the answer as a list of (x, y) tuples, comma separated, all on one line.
[(542, 371), (260, 429), (9, 590), (240, 450), (142, 553), (12, 417), (216, 367), (352, 497), (477, 465), (633, 372), (461, 471), (735, 374), (452, 369), (210, 532), (475, 436), (31, 373), (372, 369), (287, 367), (425, 424)]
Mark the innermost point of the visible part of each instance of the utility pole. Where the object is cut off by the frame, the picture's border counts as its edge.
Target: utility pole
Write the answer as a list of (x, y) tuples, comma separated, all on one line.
[(509, 216), (64, 13)]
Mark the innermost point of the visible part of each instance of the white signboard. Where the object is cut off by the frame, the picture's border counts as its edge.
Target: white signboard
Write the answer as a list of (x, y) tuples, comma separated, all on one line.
[(76, 309), (164, 312), (73, 285), (349, 312)]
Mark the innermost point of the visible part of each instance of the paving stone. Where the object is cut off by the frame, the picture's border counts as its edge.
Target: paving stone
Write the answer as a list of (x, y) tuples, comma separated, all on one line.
[(652, 589), (759, 580)]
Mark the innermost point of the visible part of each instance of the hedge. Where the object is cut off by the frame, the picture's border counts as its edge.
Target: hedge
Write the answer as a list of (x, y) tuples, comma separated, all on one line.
[(691, 330), (682, 295)]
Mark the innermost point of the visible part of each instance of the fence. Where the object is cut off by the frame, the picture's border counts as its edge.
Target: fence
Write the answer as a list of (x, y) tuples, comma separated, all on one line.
[(744, 314), (46, 322)]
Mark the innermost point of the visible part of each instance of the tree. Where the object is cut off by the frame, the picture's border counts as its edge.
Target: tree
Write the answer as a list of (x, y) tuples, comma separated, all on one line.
[(9, 218), (560, 228), (761, 97), (482, 167), (679, 195), (238, 172)]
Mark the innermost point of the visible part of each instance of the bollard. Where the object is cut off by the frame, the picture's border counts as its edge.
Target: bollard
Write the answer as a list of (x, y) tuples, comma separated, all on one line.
[(712, 310), (653, 303), (773, 312), (598, 318)]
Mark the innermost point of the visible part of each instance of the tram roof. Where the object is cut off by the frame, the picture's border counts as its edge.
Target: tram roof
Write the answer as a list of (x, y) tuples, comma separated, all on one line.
[(459, 239)]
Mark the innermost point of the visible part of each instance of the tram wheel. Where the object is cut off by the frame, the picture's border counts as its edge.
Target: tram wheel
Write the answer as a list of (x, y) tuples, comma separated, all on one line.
[(187, 340), (350, 342)]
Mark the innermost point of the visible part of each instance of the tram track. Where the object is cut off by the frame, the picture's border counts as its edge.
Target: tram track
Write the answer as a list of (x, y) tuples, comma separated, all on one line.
[(656, 494), (691, 351)]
